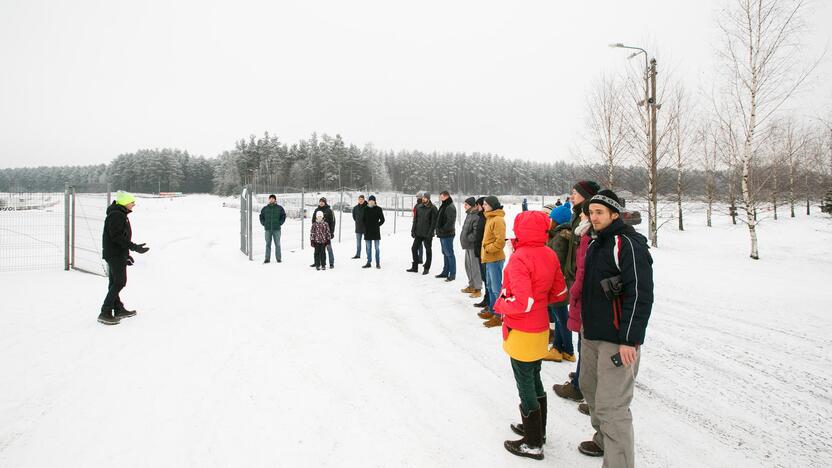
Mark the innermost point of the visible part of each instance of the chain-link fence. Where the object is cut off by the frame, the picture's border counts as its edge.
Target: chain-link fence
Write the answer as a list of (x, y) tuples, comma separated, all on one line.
[(46, 231), (32, 231)]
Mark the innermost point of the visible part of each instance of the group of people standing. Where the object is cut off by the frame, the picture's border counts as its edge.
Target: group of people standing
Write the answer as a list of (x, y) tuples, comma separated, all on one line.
[(588, 272), (579, 267)]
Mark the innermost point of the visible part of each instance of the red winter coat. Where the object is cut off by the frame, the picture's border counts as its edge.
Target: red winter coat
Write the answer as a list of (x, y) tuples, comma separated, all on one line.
[(574, 323), (532, 279)]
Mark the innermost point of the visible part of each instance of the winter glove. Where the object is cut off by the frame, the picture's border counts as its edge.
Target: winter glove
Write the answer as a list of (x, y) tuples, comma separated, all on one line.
[(130, 260), (140, 248)]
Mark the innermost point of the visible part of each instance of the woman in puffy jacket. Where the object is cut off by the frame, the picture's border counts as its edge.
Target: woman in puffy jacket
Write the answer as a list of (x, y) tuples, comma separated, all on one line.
[(532, 280)]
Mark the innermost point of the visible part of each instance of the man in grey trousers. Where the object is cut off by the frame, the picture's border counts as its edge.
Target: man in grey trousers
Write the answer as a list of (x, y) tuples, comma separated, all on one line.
[(468, 237), (616, 302)]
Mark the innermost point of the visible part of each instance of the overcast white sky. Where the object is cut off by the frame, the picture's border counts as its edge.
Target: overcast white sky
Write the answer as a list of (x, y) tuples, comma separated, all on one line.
[(82, 81)]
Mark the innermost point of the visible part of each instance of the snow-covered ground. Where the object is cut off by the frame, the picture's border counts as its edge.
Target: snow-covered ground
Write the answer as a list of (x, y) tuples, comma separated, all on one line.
[(236, 363)]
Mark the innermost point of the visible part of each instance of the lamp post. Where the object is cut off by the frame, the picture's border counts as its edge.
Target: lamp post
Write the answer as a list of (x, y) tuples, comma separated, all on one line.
[(650, 106)]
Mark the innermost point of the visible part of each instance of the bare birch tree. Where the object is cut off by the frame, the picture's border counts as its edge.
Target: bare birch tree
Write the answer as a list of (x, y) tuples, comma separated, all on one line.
[(761, 54), (607, 128)]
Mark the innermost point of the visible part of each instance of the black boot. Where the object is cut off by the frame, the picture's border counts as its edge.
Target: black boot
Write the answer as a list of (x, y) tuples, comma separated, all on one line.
[(121, 312), (367, 265), (427, 270), (483, 302), (106, 317), (414, 268), (531, 445), (544, 409)]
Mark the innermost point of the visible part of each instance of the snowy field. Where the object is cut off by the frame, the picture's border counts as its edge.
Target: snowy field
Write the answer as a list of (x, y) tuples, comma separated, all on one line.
[(236, 363)]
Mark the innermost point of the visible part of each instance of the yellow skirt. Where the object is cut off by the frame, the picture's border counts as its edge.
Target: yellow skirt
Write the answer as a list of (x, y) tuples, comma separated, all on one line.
[(526, 347)]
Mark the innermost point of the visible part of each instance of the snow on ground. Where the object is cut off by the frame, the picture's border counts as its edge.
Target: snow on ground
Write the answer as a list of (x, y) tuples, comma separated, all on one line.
[(236, 363)]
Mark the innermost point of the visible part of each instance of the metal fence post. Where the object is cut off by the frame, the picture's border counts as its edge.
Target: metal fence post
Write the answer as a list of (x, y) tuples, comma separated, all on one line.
[(543, 201), (250, 205), (340, 215), (72, 240), (302, 216), (66, 226), (395, 211)]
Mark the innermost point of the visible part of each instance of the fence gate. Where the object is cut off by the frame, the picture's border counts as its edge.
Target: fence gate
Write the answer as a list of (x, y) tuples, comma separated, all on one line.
[(246, 203), (84, 215)]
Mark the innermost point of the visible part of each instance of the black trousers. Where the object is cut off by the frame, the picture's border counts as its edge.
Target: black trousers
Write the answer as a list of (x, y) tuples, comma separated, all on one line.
[(428, 243), (118, 280), (320, 255)]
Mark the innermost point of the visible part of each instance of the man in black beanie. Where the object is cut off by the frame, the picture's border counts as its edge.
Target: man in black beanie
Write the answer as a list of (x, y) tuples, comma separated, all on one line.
[(616, 301)]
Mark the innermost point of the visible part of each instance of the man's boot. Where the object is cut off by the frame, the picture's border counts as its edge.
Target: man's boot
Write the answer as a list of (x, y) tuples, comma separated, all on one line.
[(531, 445), (475, 294), (590, 448), (107, 318), (121, 312), (568, 391), (485, 314), (544, 409), (482, 303), (427, 270), (495, 321), (414, 268)]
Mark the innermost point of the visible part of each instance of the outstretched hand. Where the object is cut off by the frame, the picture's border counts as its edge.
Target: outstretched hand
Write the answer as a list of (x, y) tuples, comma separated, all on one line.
[(140, 248)]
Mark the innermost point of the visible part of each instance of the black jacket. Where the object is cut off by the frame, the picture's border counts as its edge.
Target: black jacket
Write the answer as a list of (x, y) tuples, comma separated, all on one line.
[(329, 217), (470, 228), (480, 233), (424, 222), (617, 250), (373, 219), (116, 242), (446, 219), (358, 217)]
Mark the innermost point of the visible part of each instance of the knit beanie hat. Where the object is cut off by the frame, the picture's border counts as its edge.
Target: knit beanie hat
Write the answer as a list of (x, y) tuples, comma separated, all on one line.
[(323, 199), (587, 188), (372, 198), (125, 198), (609, 199), (471, 201), (493, 202), (319, 215), (480, 201)]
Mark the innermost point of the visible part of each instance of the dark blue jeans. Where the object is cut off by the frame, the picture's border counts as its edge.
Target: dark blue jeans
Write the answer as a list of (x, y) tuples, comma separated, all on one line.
[(578, 368), (494, 273), (358, 237), (563, 337), (448, 257), (369, 244)]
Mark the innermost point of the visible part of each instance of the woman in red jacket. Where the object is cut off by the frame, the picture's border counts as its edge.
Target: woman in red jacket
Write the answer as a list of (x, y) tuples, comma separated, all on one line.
[(532, 280)]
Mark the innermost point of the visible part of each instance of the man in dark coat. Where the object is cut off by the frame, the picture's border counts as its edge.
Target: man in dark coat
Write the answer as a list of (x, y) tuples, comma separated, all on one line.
[(272, 217), (373, 219), (329, 219), (480, 235), (616, 302), (358, 218), (422, 232), (116, 245), (446, 232), (468, 241)]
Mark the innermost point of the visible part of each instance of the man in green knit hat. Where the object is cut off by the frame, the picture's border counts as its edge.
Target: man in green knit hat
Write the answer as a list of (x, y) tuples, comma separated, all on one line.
[(116, 246)]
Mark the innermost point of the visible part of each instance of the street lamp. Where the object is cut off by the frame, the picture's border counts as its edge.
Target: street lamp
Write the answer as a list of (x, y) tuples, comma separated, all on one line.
[(651, 107)]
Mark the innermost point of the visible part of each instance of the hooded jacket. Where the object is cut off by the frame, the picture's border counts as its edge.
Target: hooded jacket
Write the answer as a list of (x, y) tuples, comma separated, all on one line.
[(617, 250), (424, 222), (469, 236), (531, 281), (116, 241), (446, 219), (494, 237)]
